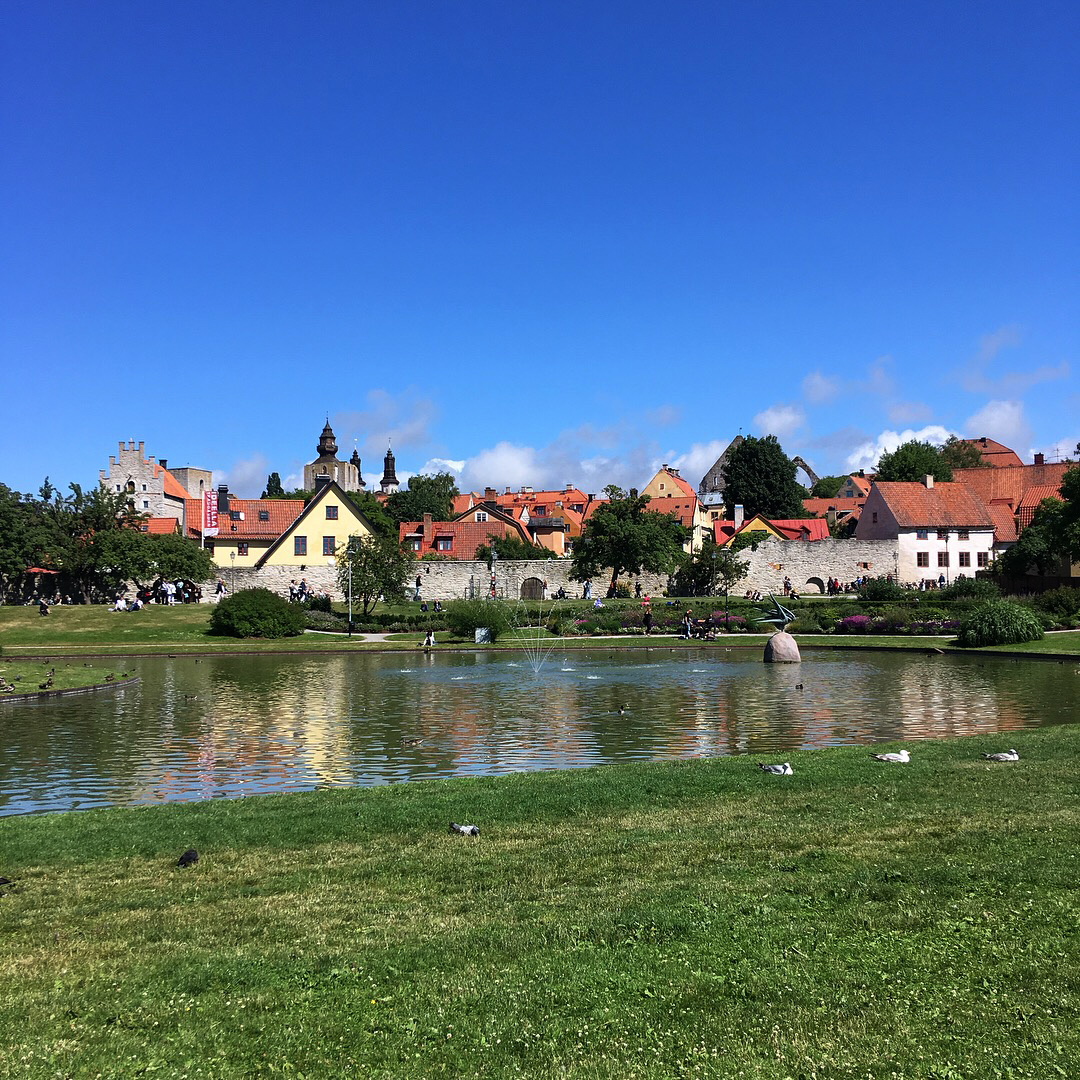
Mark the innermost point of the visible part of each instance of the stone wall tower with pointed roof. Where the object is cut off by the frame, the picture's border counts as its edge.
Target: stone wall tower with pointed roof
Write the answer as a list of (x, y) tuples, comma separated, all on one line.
[(389, 483), (343, 473)]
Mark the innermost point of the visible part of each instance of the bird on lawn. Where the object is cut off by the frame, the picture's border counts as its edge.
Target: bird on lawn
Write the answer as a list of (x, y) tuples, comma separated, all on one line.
[(900, 758), (1009, 755), (777, 770), (464, 830), (189, 858)]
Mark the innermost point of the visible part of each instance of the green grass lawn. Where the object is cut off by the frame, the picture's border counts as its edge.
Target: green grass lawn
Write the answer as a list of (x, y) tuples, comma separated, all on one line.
[(29, 676), (671, 920)]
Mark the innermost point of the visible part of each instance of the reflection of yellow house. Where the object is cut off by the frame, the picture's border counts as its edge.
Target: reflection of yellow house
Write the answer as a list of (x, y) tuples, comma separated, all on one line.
[(325, 524)]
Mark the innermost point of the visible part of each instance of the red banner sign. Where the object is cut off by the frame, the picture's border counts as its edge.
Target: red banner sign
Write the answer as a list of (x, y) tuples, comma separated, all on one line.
[(210, 526)]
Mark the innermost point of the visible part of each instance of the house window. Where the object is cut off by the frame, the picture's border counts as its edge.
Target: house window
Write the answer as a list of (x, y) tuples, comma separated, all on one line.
[(145, 505), (299, 545), (264, 515), (922, 558), (415, 545), (144, 487), (480, 515), (209, 545), (328, 545), (661, 485), (144, 528), (444, 543), (962, 534), (241, 547), (117, 487), (983, 558), (234, 515), (921, 534), (943, 558), (331, 513), (964, 558), (943, 534)]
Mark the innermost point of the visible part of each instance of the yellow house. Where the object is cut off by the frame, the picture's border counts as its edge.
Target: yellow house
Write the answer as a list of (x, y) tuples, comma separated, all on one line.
[(324, 525), (669, 493)]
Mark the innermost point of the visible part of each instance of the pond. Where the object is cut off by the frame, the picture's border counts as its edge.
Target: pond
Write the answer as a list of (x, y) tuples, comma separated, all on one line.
[(212, 727)]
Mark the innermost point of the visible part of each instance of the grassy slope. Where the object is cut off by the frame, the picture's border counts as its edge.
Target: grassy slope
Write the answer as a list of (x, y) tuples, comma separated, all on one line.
[(685, 919)]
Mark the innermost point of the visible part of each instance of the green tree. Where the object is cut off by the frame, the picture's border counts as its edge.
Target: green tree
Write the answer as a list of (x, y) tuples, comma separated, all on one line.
[(432, 495), (378, 567), (1068, 530), (712, 570), (760, 477), (827, 487), (16, 547), (274, 490), (960, 454), (374, 512), (512, 547), (1037, 549), (175, 558), (913, 461), (627, 537)]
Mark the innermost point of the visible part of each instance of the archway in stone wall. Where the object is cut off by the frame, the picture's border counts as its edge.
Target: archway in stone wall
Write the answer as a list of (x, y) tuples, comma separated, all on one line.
[(532, 588), (817, 583)]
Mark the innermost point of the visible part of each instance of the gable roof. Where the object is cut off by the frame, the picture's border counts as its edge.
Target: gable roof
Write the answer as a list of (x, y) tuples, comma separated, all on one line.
[(843, 507), (805, 529), (160, 526), (683, 508), (914, 505), (332, 489), (169, 484), (465, 535), (1009, 482), (1004, 523)]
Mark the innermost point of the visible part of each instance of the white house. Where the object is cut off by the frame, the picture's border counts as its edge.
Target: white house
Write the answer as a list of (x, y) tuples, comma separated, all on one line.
[(942, 530)]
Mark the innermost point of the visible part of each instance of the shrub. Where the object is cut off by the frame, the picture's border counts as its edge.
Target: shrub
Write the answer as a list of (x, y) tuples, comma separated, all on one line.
[(854, 624), (256, 613), (319, 602), (324, 620), (881, 588), (464, 617), (999, 622), (966, 588), (1063, 601)]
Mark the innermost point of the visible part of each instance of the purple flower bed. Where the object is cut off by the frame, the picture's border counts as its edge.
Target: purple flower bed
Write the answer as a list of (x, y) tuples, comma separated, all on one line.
[(854, 624)]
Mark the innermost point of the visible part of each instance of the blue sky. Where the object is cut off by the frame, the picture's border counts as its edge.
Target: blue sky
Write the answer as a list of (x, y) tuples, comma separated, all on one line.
[(543, 242)]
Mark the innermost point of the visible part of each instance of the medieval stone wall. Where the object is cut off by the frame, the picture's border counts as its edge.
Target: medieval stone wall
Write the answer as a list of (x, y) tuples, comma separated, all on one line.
[(807, 564)]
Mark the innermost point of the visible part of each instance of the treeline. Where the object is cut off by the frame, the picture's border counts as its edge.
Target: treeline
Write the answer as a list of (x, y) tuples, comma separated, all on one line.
[(85, 545)]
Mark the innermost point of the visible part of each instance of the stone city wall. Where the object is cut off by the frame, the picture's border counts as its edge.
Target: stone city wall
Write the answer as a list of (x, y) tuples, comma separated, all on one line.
[(807, 564)]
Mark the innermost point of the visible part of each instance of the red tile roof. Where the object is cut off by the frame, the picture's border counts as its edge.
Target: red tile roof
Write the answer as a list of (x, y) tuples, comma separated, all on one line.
[(161, 526), (465, 536), (820, 507), (1030, 502), (994, 453), (281, 513), (801, 528), (1004, 523), (170, 485), (916, 506), (684, 509), (1010, 482)]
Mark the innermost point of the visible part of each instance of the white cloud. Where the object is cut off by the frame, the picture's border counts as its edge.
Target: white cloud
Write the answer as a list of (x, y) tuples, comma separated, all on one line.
[(403, 421), (780, 420), (664, 415), (246, 478), (818, 388), (866, 455), (698, 460), (1000, 420)]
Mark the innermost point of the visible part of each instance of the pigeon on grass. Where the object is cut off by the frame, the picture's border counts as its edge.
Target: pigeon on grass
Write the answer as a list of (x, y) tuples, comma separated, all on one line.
[(777, 770), (464, 830)]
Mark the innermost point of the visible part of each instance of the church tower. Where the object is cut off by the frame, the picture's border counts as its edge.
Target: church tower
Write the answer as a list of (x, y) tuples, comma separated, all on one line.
[(389, 483), (343, 473)]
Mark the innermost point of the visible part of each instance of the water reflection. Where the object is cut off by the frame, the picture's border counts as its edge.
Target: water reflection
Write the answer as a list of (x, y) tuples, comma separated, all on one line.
[(220, 727)]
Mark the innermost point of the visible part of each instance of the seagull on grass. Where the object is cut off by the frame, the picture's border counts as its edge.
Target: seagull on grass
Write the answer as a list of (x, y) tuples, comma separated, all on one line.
[(777, 770), (900, 758), (1009, 755), (464, 830)]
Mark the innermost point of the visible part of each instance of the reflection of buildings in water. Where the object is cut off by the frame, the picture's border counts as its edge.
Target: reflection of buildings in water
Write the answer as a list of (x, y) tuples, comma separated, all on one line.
[(937, 699)]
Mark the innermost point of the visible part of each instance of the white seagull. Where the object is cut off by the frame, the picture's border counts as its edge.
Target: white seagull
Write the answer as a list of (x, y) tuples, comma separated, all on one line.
[(464, 830), (1009, 755), (900, 758), (777, 770)]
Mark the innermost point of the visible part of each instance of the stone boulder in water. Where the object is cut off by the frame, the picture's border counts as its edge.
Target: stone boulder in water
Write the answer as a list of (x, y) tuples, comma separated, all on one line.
[(782, 648)]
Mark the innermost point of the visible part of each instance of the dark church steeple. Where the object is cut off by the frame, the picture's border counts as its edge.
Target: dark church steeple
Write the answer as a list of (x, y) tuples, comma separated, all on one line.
[(389, 482)]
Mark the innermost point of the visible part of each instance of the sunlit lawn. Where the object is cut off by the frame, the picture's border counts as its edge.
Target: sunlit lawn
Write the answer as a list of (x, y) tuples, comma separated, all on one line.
[(670, 920)]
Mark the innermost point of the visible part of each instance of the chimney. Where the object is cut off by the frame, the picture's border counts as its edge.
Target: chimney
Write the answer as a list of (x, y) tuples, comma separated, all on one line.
[(164, 463), (1039, 459), (490, 493), (830, 516), (321, 480), (929, 481), (429, 529), (739, 517), (223, 498)]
